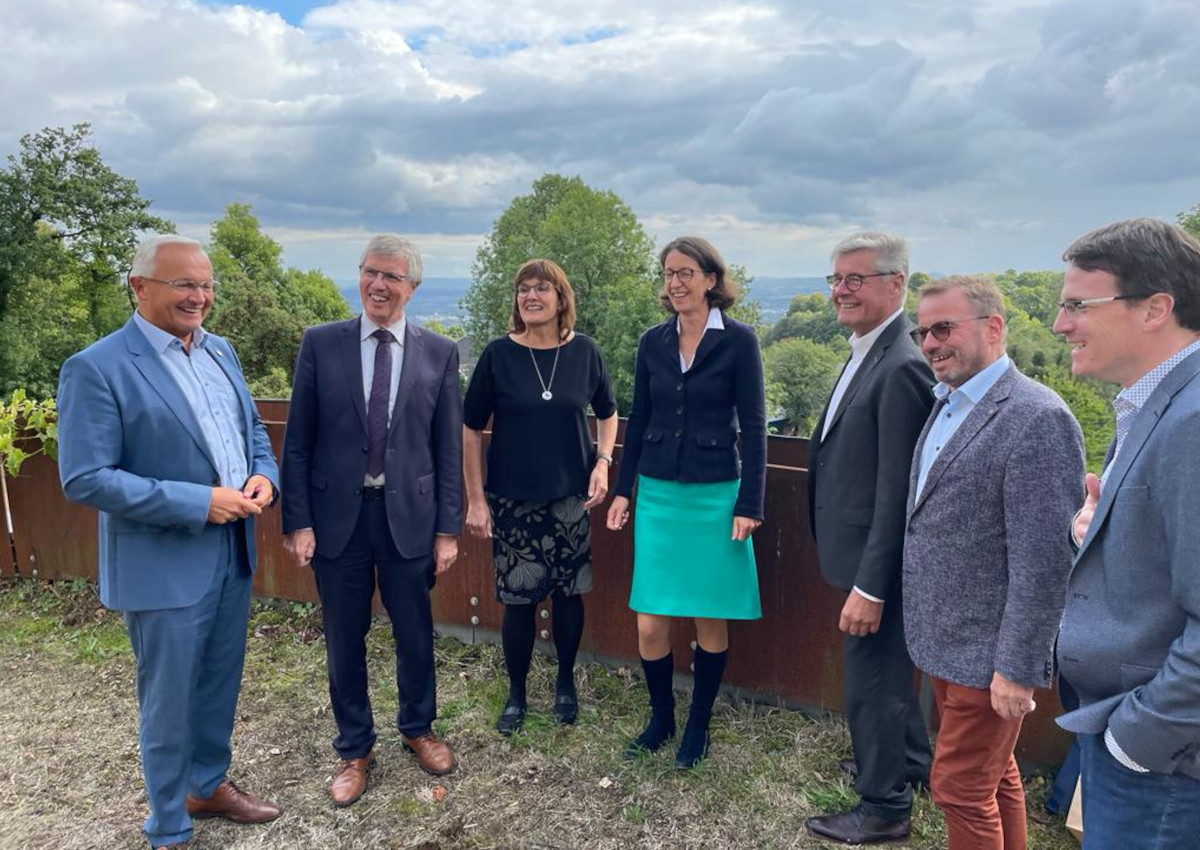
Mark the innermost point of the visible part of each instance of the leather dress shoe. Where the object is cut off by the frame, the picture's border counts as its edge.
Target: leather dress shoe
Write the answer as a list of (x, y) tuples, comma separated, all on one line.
[(920, 784), (433, 754), (566, 709), (858, 827), (232, 803), (511, 719), (351, 780)]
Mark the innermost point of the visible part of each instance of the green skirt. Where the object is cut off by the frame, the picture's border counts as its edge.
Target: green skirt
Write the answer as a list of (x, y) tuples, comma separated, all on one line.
[(684, 562)]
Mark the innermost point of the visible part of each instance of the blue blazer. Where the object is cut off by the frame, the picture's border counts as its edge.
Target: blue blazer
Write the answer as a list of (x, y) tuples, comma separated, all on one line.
[(130, 446), (684, 425), (1129, 642), (325, 447)]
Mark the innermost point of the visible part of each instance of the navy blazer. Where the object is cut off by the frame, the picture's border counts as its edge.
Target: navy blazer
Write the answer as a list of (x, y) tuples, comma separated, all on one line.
[(684, 425), (325, 447)]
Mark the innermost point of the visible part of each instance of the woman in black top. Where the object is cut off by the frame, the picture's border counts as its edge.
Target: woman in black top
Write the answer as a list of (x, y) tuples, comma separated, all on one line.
[(543, 474), (698, 383)]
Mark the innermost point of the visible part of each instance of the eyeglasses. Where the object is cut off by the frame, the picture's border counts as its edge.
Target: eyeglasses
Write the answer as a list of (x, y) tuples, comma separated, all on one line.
[(684, 275), (541, 288), (367, 273), (941, 330), (184, 285), (853, 282), (1074, 306)]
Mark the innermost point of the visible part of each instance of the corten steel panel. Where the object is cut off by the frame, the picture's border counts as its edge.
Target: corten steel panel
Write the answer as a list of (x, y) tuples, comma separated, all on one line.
[(793, 652), (54, 538)]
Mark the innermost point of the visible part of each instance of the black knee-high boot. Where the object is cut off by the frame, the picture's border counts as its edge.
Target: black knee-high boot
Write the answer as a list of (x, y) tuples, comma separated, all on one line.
[(661, 727), (710, 668)]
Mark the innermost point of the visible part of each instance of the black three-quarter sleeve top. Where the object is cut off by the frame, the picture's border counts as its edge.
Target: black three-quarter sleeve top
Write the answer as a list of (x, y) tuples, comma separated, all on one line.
[(684, 425), (540, 450)]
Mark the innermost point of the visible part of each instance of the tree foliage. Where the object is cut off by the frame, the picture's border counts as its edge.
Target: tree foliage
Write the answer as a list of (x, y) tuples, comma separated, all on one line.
[(800, 374), (601, 246)]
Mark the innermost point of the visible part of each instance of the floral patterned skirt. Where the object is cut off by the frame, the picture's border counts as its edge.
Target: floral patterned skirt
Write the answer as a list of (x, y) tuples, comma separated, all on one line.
[(540, 548)]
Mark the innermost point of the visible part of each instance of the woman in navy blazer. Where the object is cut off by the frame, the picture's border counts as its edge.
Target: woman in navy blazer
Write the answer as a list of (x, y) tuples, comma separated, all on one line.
[(698, 381)]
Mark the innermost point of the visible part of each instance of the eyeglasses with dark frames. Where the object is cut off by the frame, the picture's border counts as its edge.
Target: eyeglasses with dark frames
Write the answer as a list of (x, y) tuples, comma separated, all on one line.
[(684, 275), (853, 282), (941, 330), (1075, 306), (541, 288)]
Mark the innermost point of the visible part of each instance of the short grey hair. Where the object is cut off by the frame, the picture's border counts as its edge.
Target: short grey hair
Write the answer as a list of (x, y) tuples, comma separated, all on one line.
[(145, 259), (891, 251), (391, 245)]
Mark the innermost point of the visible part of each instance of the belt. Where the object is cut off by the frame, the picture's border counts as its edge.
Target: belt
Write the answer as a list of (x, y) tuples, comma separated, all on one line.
[(371, 494)]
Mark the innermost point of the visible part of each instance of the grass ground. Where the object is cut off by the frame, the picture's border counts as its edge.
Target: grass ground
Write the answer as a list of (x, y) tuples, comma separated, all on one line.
[(70, 776)]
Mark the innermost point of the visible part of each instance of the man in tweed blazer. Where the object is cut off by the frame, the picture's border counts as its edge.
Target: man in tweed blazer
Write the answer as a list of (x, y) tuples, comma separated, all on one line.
[(997, 471)]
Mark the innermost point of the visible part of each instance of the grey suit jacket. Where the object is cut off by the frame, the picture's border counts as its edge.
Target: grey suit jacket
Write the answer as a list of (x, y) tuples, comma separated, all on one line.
[(985, 558), (1130, 637), (858, 475)]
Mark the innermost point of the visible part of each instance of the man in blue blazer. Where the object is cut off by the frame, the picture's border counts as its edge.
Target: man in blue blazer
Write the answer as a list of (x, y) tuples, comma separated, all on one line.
[(372, 491), (158, 432), (1129, 641)]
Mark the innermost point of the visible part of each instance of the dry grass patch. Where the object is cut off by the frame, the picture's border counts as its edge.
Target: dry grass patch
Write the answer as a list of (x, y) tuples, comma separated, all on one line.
[(70, 776)]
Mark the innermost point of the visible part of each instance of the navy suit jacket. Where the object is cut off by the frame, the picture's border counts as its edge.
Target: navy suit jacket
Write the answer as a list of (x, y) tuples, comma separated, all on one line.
[(1129, 642), (684, 425), (130, 446), (325, 447)]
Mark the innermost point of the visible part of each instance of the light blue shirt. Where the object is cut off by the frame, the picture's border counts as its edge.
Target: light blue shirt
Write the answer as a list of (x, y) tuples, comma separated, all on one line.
[(367, 346), (210, 396), (958, 406), (1130, 400)]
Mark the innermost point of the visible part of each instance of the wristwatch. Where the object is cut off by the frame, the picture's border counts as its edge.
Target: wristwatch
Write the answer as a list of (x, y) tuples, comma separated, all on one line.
[(606, 458)]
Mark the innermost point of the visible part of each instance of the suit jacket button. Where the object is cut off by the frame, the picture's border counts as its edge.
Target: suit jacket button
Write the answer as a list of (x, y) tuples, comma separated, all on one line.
[(713, 441), (678, 433), (364, 448), (679, 410), (679, 387)]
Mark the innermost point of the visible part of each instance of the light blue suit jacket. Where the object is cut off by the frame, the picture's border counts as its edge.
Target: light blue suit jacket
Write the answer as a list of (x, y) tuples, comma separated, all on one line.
[(130, 446), (1130, 636)]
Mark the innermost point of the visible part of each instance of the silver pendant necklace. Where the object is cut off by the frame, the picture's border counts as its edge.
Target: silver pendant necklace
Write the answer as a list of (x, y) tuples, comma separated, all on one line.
[(546, 394)]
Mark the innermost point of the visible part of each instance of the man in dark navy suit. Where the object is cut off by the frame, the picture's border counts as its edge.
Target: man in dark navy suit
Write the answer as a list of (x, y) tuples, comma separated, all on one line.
[(372, 488), (859, 459)]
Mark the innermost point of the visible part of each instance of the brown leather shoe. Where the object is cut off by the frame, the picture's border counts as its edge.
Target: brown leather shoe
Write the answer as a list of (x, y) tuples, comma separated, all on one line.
[(433, 754), (232, 803), (351, 780)]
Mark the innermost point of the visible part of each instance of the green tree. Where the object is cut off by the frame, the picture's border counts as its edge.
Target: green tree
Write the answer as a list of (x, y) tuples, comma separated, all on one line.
[(800, 375), (809, 316), (1190, 221), (1091, 408), (601, 246), (261, 307)]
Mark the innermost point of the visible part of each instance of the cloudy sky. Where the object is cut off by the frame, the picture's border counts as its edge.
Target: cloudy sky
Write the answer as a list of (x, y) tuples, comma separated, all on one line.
[(991, 132)]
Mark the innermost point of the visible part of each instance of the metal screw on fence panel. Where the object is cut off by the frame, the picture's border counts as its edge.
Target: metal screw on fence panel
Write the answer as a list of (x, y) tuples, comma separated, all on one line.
[(474, 621), (545, 613), (474, 600), (545, 634)]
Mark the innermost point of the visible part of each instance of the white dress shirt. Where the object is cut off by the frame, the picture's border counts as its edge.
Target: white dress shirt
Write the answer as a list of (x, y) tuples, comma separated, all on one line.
[(714, 321)]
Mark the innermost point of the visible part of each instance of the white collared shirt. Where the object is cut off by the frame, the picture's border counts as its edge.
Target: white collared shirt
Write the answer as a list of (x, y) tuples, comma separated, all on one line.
[(714, 321), (859, 346), (367, 346)]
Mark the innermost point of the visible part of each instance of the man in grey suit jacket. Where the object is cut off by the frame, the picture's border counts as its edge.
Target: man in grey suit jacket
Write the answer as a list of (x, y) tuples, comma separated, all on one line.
[(996, 474), (1130, 636), (858, 463)]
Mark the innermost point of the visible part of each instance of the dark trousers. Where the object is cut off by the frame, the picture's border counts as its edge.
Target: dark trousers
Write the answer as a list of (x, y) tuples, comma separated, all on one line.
[(346, 584), (886, 724), (189, 672)]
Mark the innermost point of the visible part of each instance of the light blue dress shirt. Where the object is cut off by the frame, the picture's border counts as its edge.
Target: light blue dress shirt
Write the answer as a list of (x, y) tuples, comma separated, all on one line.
[(958, 406), (210, 396), (367, 346)]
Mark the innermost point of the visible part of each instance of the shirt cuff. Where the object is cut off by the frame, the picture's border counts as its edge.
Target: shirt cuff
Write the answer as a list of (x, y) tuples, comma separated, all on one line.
[(1116, 752), (867, 596)]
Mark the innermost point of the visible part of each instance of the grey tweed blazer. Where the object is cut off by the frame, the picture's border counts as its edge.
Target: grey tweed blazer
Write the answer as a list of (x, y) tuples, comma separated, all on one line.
[(985, 557)]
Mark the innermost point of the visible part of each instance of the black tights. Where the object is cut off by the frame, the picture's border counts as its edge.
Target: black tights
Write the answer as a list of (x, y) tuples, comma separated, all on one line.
[(519, 632)]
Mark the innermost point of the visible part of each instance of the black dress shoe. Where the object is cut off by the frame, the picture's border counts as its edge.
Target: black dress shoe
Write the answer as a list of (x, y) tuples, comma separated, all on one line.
[(566, 708), (858, 827), (511, 719), (920, 784)]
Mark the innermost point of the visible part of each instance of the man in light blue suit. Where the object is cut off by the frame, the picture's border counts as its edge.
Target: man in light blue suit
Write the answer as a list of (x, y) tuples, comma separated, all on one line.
[(158, 432), (1129, 641)]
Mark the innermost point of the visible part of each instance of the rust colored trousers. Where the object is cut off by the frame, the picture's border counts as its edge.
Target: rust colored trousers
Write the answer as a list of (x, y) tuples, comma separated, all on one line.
[(975, 781)]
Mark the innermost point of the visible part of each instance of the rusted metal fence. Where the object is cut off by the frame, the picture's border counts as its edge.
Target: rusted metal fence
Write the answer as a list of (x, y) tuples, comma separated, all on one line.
[(791, 656)]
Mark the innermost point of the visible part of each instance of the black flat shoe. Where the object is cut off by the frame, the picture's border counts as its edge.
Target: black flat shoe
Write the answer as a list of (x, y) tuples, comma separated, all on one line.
[(511, 719), (566, 709)]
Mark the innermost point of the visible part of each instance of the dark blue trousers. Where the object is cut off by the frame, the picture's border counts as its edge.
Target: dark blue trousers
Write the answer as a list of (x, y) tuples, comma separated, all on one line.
[(189, 671), (346, 584)]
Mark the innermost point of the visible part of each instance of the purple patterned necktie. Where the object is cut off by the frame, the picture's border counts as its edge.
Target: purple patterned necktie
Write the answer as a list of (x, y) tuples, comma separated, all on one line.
[(377, 407)]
